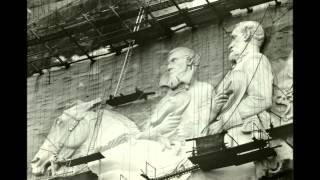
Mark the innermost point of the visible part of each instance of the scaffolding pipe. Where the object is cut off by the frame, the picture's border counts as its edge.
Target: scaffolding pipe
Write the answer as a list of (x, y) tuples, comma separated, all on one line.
[(74, 40), (183, 14), (91, 23), (47, 47), (115, 12), (136, 28)]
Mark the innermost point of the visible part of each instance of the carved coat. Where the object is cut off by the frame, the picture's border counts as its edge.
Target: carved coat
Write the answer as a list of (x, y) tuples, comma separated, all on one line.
[(174, 103), (251, 81), (129, 158)]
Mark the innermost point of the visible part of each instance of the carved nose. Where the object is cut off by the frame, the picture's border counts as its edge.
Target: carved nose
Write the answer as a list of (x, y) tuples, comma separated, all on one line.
[(34, 160)]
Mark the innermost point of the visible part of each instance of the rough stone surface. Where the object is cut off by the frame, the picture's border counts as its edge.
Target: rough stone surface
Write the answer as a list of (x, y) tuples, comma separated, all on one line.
[(48, 94)]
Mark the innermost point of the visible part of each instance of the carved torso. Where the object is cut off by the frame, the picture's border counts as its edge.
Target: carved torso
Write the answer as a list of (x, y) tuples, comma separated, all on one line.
[(196, 116), (251, 81)]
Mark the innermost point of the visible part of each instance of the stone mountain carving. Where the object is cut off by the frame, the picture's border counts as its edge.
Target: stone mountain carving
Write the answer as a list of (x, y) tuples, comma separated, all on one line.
[(71, 132), (283, 92), (181, 114), (252, 83)]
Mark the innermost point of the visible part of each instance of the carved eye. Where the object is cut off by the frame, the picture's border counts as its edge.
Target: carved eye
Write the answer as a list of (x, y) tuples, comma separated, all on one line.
[(173, 59)]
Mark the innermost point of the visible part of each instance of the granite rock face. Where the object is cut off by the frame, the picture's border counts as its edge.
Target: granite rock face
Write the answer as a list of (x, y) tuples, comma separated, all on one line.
[(49, 94)]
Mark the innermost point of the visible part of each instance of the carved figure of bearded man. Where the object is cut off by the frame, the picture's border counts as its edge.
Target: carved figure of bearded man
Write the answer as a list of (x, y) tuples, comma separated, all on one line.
[(180, 115), (251, 82), (185, 109)]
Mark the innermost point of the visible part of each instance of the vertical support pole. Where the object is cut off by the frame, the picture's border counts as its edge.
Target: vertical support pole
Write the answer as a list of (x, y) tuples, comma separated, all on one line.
[(136, 28)]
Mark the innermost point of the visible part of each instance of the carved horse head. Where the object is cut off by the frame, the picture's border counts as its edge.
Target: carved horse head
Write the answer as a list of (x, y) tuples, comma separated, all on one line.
[(68, 132), (72, 133)]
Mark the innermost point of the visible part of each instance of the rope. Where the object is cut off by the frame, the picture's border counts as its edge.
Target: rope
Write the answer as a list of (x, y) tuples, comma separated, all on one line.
[(129, 52), (100, 111), (98, 122)]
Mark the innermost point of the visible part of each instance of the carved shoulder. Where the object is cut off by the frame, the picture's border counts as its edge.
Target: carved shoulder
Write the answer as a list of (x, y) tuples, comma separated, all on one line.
[(254, 62), (201, 93), (204, 85)]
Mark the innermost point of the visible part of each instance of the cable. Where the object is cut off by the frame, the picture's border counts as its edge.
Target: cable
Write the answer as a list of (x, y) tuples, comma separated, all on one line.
[(100, 112), (129, 52)]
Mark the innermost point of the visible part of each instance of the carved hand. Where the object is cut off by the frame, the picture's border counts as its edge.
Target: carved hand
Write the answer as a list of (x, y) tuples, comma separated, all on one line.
[(145, 135), (154, 136), (220, 100), (169, 123)]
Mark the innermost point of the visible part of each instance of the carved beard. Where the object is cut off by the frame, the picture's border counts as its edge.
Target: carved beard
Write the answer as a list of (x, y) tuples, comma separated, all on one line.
[(236, 52), (184, 77)]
